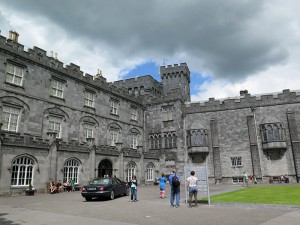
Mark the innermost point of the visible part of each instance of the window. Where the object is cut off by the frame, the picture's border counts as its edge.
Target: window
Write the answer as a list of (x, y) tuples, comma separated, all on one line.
[(236, 180), (130, 170), (55, 125), (272, 132), (114, 107), (134, 141), (133, 114), (197, 138), (21, 171), (14, 74), (236, 161), (10, 118), (170, 140), (89, 99), (57, 88), (155, 141), (71, 168), (168, 112), (113, 137), (88, 130), (150, 172)]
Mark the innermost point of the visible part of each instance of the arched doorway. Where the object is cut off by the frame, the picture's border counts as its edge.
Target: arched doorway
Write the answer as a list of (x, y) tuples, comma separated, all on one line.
[(105, 168)]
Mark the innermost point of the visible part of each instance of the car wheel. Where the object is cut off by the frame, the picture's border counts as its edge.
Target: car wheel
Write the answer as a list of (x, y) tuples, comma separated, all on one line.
[(88, 199), (112, 195)]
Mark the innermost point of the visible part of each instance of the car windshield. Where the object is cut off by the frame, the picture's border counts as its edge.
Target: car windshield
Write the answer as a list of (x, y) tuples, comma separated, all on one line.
[(102, 181)]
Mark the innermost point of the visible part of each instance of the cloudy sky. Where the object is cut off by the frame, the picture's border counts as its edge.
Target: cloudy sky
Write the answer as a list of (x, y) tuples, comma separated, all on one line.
[(228, 45)]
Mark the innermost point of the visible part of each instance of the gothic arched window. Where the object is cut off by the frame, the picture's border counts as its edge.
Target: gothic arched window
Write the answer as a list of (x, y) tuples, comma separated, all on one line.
[(71, 169), (22, 169)]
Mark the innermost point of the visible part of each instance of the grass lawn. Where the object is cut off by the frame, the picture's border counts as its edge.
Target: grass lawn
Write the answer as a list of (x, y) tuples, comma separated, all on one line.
[(284, 195)]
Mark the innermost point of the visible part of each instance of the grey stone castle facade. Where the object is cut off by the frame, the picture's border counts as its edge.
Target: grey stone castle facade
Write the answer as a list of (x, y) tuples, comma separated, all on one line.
[(59, 123)]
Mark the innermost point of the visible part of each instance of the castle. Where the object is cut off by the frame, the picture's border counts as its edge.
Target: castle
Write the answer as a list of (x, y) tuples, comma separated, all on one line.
[(59, 123)]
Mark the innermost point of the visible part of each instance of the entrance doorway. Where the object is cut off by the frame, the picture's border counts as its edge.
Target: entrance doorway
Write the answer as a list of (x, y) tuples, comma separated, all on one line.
[(105, 168)]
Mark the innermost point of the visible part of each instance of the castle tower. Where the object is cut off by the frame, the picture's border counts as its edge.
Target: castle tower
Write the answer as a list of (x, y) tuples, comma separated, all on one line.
[(174, 77)]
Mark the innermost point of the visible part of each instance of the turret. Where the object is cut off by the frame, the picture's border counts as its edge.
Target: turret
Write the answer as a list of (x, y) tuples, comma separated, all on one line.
[(176, 77)]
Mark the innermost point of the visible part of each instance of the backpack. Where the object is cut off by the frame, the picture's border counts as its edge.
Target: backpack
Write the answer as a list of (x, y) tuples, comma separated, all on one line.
[(175, 181)]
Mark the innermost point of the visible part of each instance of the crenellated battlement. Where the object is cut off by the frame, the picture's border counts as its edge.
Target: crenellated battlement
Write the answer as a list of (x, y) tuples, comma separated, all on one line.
[(245, 101), (24, 140), (39, 56), (176, 70)]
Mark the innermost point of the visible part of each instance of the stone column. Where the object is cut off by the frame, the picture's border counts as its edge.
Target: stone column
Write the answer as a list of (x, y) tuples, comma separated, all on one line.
[(256, 167), (121, 160), (294, 136), (216, 150), (141, 174), (92, 157), (52, 156)]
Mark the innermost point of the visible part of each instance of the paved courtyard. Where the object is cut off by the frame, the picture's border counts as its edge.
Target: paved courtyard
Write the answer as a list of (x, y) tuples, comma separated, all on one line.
[(70, 208)]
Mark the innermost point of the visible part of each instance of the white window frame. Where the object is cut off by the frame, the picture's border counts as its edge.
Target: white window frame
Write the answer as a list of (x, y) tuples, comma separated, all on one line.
[(12, 71), (114, 135), (134, 141), (88, 130), (89, 98), (237, 180), (71, 170), (114, 107), (57, 88), (55, 125), (10, 116), (236, 161), (131, 170), (134, 114), (22, 172), (150, 172)]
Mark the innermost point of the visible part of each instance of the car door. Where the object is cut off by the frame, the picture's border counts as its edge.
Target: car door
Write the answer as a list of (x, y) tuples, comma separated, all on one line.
[(116, 187)]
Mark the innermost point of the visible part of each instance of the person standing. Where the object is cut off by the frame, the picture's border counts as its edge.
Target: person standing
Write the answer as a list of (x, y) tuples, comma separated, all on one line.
[(72, 183), (174, 181), (191, 186), (246, 180), (133, 188), (162, 185)]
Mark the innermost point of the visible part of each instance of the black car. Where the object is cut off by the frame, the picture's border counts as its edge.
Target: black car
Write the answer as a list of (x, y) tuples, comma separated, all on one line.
[(104, 187)]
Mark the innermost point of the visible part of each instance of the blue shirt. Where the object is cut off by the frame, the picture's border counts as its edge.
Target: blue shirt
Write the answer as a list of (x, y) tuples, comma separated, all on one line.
[(170, 178), (162, 182)]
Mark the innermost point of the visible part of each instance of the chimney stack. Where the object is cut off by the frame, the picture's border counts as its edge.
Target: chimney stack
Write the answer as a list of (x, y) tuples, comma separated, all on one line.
[(14, 36)]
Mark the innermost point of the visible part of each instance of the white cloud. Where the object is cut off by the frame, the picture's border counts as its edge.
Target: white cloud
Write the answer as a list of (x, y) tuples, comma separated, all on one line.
[(233, 44)]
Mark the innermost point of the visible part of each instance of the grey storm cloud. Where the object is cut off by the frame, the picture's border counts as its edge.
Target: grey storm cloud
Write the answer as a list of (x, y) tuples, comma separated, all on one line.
[(231, 39)]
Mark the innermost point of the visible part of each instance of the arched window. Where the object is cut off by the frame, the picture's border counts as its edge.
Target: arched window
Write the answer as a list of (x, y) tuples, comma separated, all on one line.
[(272, 132), (170, 140), (131, 170), (22, 171), (155, 141), (197, 138), (71, 168), (150, 172)]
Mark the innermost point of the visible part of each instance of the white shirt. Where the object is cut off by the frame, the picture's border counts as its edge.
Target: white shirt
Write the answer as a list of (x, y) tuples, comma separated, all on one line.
[(192, 181)]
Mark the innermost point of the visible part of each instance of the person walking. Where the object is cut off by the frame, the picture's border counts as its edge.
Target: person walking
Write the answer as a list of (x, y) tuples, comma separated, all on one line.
[(133, 188), (162, 185), (191, 186), (174, 181)]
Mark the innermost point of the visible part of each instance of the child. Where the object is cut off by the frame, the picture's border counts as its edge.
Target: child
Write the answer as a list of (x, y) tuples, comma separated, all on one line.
[(162, 185), (133, 188)]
